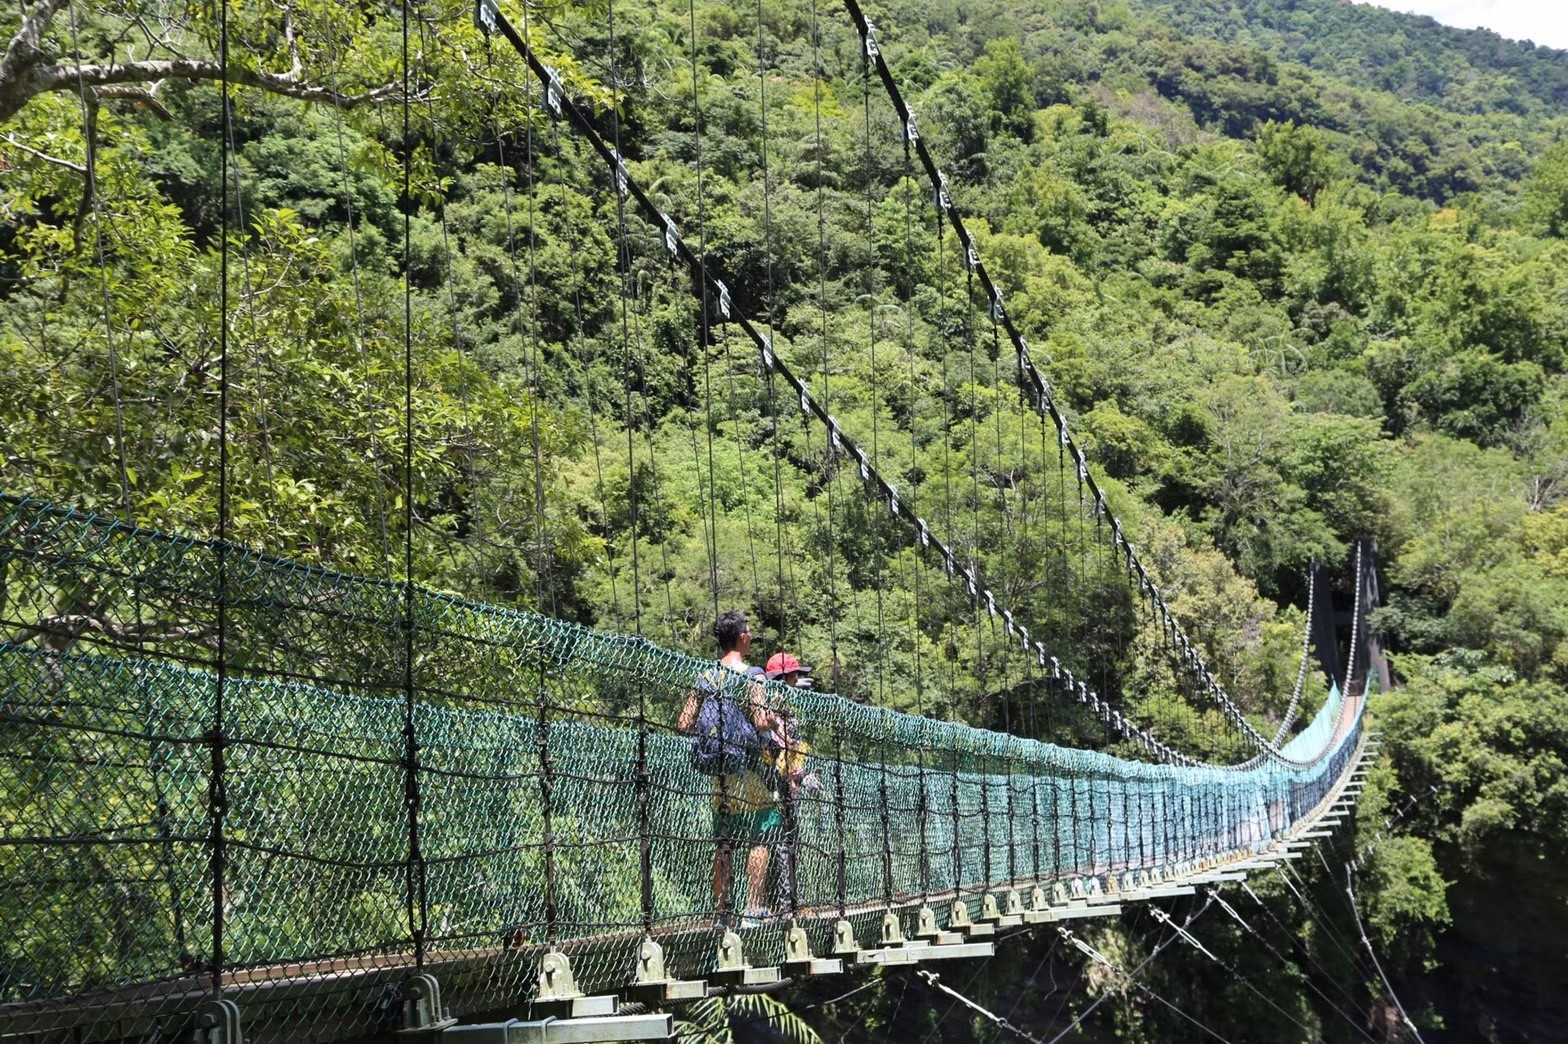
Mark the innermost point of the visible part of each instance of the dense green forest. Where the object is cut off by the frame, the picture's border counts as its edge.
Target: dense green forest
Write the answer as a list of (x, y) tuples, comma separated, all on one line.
[(1298, 273)]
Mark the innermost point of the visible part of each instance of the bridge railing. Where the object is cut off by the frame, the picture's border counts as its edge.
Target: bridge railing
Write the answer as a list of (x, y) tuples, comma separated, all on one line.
[(375, 777)]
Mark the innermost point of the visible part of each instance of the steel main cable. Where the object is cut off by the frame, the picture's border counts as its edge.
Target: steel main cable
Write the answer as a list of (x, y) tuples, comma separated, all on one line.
[(980, 596), (1148, 958), (1038, 390), (1350, 894), (1109, 965), (1192, 940), (1301, 945), (1235, 915), (1000, 1021)]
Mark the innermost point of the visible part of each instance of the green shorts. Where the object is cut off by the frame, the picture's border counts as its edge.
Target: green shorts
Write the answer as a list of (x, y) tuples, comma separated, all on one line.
[(754, 827)]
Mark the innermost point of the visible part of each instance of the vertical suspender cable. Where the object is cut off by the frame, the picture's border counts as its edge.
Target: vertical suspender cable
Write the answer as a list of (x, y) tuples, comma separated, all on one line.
[(624, 263), (916, 634), (704, 318), (822, 304), (157, 755), (217, 793), (885, 753), (417, 906), (784, 604)]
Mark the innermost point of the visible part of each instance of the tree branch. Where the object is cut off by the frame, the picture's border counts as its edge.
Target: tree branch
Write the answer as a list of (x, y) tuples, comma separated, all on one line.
[(24, 50), (32, 80), (67, 164), (147, 99)]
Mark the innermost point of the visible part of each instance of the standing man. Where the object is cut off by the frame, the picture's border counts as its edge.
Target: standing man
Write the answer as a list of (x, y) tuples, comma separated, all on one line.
[(744, 807)]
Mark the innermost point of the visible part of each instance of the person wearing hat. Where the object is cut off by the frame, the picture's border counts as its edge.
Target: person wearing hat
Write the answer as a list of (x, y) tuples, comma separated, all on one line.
[(789, 760), (787, 668)]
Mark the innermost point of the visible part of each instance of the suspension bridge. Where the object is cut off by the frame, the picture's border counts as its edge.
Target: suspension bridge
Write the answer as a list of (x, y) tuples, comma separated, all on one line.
[(250, 797)]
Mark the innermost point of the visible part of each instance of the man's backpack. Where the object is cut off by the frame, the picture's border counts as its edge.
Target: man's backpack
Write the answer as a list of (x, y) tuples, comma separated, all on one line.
[(724, 741)]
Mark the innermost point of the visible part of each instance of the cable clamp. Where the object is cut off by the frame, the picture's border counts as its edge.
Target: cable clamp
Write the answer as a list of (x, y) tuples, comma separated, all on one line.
[(724, 298), (865, 465), (672, 236), (944, 197), (892, 499), (805, 404), (999, 314), (923, 532), (990, 602), (868, 42), (554, 92), (486, 16), (623, 178), (218, 1022), (911, 132), (767, 352), (972, 257)]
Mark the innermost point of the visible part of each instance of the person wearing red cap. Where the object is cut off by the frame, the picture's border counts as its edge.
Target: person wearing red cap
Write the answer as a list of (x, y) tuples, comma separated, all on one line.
[(787, 668), (790, 764)]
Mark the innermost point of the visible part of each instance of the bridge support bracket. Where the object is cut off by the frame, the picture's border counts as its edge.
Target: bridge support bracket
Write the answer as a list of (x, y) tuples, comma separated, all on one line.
[(218, 1022), (423, 1014), (958, 921), (651, 981), (926, 930), (1068, 913), (732, 968), (915, 953), (845, 945), (1039, 911), (1125, 888), (559, 997), (991, 912), (565, 1031), (798, 958)]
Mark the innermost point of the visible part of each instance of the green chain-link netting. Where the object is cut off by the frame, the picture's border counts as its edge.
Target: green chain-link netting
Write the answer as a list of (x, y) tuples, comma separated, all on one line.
[(557, 805)]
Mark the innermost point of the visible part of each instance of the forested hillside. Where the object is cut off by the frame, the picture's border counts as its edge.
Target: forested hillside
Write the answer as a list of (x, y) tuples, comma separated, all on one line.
[(1298, 273)]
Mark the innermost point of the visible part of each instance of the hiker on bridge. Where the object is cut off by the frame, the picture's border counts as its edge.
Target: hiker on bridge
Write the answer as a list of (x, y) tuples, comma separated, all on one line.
[(727, 716), (789, 762)]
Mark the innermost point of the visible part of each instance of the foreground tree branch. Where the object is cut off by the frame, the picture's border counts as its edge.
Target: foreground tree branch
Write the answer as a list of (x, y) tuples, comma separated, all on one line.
[(37, 80), (25, 74)]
